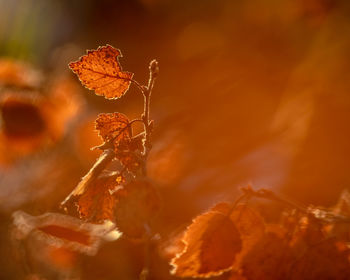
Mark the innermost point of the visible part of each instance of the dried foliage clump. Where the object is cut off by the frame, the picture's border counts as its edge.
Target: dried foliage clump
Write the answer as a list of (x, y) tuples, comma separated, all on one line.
[(303, 245), (109, 203), (233, 240)]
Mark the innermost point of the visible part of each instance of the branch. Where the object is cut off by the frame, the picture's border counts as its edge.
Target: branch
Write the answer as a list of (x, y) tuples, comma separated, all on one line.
[(147, 123), (317, 213)]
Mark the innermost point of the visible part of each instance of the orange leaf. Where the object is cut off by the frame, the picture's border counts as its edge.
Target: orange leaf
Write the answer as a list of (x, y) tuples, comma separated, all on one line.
[(250, 225), (113, 126), (58, 230), (97, 203), (321, 261), (318, 257), (137, 204), (90, 177), (212, 244), (100, 70), (248, 221), (270, 258)]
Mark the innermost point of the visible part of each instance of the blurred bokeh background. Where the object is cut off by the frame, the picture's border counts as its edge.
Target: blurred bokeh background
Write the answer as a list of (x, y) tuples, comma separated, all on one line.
[(250, 92)]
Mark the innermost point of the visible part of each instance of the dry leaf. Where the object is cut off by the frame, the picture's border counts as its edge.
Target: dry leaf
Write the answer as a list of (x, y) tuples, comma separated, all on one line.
[(100, 70), (113, 126), (100, 164), (137, 204), (248, 221), (60, 230), (212, 244), (323, 260), (317, 257), (97, 203), (132, 160), (269, 258), (251, 227)]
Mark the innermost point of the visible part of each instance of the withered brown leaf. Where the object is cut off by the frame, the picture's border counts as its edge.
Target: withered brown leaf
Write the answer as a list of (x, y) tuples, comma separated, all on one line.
[(318, 256), (137, 204), (90, 177), (212, 244), (250, 225), (100, 71), (97, 203), (321, 261), (269, 258), (60, 230), (113, 126)]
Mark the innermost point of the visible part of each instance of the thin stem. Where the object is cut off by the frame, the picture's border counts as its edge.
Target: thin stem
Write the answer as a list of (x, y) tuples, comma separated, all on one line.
[(147, 123), (268, 194), (147, 254), (318, 214)]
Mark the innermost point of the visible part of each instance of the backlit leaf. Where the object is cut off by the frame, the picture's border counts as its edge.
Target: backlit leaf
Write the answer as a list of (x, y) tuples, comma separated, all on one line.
[(269, 258), (97, 203), (100, 71), (100, 164), (251, 227), (321, 261), (318, 257), (62, 231), (113, 126), (137, 204), (212, 244)]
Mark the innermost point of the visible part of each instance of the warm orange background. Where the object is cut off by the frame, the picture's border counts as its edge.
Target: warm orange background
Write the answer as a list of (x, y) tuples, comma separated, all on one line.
[(250, 92)]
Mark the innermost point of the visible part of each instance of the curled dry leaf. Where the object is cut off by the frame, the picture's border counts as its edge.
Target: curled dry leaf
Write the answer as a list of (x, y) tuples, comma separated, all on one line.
[(100, 164), (321, 261), (212, 243), (137, 204), (250, 225), (114, 127), (100, 70), (270, 258), (318, 257), (60, 230), (131, 159), (97, 203)]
